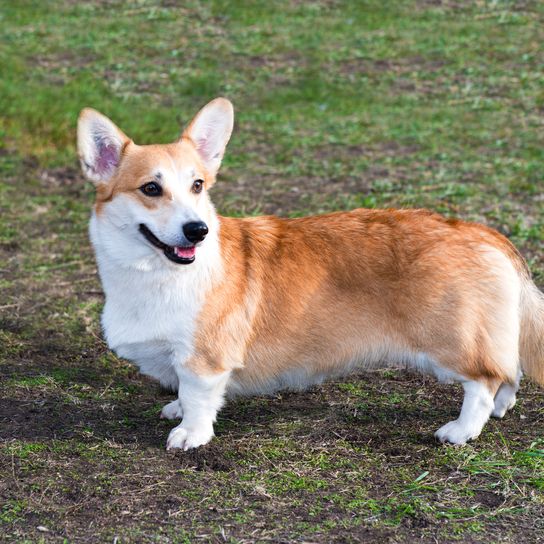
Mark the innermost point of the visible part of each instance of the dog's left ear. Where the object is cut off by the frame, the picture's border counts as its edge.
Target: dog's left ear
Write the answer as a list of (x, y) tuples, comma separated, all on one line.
[(210, 132)]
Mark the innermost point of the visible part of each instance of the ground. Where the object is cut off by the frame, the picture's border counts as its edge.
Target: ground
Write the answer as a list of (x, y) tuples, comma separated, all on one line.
[(338, 104)]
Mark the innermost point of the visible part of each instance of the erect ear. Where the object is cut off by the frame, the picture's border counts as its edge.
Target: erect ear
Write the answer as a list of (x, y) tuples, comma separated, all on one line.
[(99, 145), (210, 132)]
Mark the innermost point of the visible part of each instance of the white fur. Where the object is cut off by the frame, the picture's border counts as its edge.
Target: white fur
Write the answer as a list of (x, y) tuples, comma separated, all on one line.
[(151, 309), (505, 399), (201, 397), (172, 410), (151, 304)]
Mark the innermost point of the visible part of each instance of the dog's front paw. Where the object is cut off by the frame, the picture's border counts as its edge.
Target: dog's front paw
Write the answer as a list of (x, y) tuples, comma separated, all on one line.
[(503, 403), (455, 432), (185, 439), (172, 410)]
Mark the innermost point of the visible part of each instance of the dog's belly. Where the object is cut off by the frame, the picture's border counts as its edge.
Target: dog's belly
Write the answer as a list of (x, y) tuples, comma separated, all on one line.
[(299, 378)]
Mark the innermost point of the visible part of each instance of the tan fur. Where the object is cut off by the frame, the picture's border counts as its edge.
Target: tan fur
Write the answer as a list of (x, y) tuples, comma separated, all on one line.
[(318, 291)]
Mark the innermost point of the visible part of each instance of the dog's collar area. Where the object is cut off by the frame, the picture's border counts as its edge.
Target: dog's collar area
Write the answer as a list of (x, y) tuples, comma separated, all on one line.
[(176, 254)]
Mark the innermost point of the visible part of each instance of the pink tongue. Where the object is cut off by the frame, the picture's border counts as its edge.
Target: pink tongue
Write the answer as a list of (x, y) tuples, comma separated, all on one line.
[(185, 252)]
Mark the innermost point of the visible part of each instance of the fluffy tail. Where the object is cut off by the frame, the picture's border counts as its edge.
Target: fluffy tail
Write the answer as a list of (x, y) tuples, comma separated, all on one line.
[(532, 332)]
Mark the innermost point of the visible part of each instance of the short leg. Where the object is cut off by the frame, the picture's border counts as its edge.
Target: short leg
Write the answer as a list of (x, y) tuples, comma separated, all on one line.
[(172, 410), (505, 399), (201, 397), (477, 406)]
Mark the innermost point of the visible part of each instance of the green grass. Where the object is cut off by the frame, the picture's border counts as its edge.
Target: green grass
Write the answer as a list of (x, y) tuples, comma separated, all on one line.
[(338, 105)]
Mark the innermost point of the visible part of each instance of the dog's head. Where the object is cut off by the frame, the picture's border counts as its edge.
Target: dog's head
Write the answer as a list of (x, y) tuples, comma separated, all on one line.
[(152, 200)]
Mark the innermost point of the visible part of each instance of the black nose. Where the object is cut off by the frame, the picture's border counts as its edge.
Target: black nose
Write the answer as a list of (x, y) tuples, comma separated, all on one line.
[(195, 232)]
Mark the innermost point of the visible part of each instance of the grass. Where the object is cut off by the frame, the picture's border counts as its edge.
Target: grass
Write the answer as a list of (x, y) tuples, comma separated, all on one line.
[(338, 105)]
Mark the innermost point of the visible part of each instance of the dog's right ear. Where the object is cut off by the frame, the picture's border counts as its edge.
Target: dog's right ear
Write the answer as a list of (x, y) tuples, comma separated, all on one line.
[(100, 145)]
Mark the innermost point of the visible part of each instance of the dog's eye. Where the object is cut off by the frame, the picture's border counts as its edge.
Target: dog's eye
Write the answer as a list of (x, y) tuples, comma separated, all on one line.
[(197, 186), (151, 189)]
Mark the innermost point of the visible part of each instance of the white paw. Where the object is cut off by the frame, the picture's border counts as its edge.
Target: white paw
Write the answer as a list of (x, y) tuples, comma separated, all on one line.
[(172, 410), (186, 439), (455, 432), (502, 406)]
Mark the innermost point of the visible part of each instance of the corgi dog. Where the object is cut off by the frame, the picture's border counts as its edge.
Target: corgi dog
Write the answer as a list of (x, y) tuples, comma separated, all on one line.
[(214, 306)]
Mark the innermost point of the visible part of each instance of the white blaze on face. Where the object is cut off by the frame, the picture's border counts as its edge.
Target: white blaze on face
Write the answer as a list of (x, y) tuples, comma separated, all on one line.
[(182, 206)]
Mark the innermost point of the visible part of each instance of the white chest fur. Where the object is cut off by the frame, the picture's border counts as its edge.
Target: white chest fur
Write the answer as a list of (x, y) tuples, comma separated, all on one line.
[(150, 320), (151, 309)]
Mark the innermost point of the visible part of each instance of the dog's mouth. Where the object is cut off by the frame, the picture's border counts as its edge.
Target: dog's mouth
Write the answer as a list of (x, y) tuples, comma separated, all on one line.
[(176, 254)]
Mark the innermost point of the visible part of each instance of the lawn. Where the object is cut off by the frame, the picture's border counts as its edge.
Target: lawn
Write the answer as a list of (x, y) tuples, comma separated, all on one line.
[(420, 103)]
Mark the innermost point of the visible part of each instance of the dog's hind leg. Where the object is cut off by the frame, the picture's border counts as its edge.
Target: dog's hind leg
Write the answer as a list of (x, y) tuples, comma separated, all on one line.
[(477, 407)]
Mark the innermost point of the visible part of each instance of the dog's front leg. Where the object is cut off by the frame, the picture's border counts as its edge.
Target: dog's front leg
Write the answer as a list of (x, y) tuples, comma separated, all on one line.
[(201, 396)]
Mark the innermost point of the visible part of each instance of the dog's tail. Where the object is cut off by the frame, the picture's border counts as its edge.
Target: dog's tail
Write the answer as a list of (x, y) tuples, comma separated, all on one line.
[(531, 347)]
